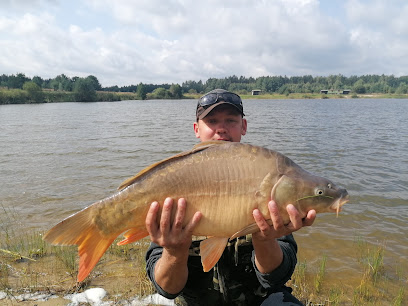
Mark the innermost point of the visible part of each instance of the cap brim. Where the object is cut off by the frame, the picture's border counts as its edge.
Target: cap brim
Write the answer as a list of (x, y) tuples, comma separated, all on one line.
[(208, 110)]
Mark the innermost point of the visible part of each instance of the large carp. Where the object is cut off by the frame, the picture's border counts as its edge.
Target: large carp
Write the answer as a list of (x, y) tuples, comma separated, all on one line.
[(225, 181)]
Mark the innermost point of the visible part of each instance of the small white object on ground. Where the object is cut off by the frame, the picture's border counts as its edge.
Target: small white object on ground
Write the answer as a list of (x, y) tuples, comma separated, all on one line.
[(92, 296)]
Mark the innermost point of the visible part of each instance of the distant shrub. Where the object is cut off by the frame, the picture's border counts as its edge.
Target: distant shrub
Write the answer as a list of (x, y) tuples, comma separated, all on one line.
[(107, 96), (14, 96), (59, 96)]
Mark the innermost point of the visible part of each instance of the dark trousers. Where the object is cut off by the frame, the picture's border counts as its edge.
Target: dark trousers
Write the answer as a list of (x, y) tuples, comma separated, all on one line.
[(283, 297)]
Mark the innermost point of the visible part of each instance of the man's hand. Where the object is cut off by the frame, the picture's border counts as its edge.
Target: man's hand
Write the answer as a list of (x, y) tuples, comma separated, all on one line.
[(171, 235), (268, 254), (171, 270), (278, 228)]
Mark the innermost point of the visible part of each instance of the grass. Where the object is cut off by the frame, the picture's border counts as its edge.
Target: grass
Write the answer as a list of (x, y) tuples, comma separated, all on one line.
[(27, 264), (320, 275), (121, 271), (378, 284)]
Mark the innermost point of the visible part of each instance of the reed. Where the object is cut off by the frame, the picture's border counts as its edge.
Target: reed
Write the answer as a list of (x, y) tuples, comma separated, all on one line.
[(320, 275), (399, 298), (299, 278), (372, 258), (4, 276), (378, 284), (335, 296), (68, 257)]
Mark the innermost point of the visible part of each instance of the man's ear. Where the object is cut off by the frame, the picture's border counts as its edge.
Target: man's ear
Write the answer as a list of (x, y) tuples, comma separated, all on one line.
[(196, 129), (244, 126)]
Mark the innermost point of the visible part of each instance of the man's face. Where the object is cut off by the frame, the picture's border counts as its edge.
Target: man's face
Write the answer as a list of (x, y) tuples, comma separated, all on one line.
[(222, 123)]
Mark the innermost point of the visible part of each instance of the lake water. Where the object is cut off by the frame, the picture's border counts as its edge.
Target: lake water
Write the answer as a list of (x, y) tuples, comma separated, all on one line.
[(57, 158)]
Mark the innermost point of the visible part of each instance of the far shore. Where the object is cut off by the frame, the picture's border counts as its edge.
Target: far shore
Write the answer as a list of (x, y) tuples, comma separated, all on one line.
[(313, 96), (21, 97)]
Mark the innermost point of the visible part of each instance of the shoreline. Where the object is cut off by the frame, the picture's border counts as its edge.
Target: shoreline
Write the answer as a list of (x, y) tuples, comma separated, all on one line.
[(64, 97), (92, 296)]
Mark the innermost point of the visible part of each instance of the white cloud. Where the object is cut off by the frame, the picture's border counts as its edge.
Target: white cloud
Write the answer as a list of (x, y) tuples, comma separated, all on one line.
[(378, 35), (127, 42)]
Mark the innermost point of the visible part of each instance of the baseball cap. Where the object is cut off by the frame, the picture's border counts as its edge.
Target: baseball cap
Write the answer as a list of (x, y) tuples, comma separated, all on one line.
[(217, 97)]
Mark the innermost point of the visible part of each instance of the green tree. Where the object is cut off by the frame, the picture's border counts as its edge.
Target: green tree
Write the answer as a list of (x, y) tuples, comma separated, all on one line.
[(192, 86), (61, 83), (141, 91), (159, 93), (34, 91), (175, 91), (17, 81), (112, 88), (402, 89), (95, 83), (84, 90), (331, 79), (338, 84), (4, 80), (38, 80), (359, 87)]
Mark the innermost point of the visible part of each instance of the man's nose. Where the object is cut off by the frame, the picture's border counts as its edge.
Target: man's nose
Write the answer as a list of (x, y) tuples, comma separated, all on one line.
[(221, 127)]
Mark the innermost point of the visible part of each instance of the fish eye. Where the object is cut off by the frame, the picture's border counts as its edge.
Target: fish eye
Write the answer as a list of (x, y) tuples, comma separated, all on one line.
[(319, 192)]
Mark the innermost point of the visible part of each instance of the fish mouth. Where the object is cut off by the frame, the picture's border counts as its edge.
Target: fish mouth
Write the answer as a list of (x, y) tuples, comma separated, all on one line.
[(336, 206)]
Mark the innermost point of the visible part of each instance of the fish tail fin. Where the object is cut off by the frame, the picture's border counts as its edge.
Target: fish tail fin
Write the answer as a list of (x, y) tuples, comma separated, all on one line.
[(79, 230), (90, 251)]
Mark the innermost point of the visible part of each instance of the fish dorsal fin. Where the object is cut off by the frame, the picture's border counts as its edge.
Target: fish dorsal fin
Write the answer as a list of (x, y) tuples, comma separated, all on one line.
[(207, 144), (211, 250), (196, 148)]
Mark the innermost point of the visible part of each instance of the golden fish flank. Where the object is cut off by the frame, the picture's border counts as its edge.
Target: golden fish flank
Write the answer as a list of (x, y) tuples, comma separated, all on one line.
[(224, 181)]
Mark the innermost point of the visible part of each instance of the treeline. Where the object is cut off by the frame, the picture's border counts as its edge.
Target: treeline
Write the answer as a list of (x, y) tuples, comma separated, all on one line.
[(22, 89), (304, 84), (286, 85)]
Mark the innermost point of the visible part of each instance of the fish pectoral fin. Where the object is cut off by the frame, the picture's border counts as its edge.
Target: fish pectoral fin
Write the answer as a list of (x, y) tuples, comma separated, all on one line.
[(211, 250), (249, 229), (132, 235), (264, 192)]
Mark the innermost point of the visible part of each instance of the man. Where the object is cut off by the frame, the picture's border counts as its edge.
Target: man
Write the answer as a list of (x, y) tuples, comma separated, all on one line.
[(253, 269)]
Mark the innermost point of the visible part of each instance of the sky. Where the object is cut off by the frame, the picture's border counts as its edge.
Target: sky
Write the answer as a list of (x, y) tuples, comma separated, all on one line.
[(126, 42)]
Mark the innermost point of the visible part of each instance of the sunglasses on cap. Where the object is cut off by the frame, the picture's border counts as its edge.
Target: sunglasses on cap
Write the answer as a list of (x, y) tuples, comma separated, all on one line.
[(212, 98)]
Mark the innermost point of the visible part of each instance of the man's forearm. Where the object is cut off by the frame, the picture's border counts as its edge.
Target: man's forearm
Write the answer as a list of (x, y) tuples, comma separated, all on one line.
[(171, 272), (268, 255)]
